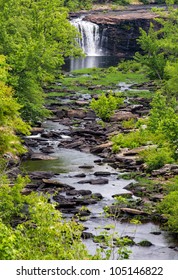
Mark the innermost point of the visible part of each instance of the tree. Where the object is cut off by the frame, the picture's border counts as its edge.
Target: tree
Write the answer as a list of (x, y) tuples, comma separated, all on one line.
[(159, 46), (35, 36), (10, 120)]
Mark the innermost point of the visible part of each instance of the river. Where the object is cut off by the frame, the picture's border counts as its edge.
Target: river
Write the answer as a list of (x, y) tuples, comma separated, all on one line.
[(67, 165)]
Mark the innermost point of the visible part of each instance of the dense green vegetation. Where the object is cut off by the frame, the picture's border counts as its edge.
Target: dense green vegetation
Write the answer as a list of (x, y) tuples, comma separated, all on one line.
[(10, 120), (35, 36), (31, 228)]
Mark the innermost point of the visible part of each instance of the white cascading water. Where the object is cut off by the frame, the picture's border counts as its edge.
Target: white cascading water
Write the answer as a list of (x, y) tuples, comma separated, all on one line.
[(90, 38)]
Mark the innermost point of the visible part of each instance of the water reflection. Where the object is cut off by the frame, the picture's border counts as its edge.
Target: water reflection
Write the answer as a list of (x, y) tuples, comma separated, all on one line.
[(90, 62)]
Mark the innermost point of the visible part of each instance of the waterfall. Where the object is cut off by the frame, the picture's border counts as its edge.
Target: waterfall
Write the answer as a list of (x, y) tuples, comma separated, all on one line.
[(90, 41)]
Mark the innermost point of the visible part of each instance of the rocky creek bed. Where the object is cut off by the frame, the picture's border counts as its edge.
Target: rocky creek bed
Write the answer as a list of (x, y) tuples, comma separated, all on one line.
[(70, 158)]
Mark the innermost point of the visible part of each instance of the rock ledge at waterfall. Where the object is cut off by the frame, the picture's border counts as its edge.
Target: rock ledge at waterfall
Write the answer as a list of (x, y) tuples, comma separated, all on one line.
[(119, 16)]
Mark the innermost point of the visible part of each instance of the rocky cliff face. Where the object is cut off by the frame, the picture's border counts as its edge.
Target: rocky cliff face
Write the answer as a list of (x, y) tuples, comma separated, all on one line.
[(121, 29)]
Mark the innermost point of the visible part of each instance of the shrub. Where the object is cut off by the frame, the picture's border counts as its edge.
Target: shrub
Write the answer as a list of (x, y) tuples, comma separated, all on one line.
[(169, 208), (105, 105), (133, 139), (31, 228), (155, 158)]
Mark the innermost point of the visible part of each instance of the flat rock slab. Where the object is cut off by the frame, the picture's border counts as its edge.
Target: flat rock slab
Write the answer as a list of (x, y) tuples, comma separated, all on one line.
[(99, 181), (123, 115), (39, 156), (41, 174), (133, 211), (50, 182)]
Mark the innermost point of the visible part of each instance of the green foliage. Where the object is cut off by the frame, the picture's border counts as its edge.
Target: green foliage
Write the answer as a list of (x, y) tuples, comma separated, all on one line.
[(129, 123), (31, 228), (171, 74), (105, 106), (74, 5), (133, 139), (160, 51), (112, 246), (169, 208), (10, 120), (153, 58), (164, 119), (129, 66), (155, 158), (35, 36)]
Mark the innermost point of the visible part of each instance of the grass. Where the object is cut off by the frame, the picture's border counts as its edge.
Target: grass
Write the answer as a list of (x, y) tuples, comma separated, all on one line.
[(96, 80)]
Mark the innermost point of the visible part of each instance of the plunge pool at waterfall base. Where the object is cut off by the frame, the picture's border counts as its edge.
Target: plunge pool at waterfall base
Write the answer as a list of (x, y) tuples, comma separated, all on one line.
[(103, 61)]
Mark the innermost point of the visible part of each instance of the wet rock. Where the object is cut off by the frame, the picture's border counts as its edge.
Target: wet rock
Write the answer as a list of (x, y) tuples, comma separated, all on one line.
[(37, 130), (74, 145), (47, 150), (51, 182), (30, 142), (156, 232), (76, 113), (100, 181), (135, 107), (84, 212), (97, 196), (84, 132), (87, 235), (86, 166), (122, 116), (145, 243), (126, 159), (102, 173), (61, 113), (83, 201), (33, 186), (41, 174), (132, 211), (80, 175), (72, 192), (40, 156), (88, 181), (125, 195), (99, 148), (167, 169), (65, 204), (81, 102), (156, 197), (84, 192)]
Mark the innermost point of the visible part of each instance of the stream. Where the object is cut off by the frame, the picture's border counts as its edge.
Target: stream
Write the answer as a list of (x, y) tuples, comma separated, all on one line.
[(69, 165)]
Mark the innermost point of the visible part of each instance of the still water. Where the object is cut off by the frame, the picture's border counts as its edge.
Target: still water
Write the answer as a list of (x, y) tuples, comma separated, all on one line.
[(90, 62)]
